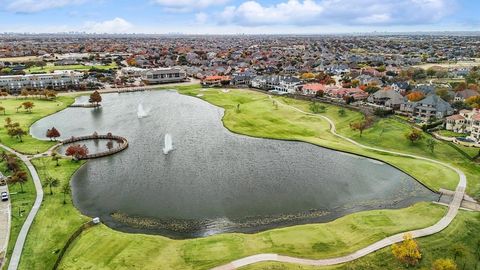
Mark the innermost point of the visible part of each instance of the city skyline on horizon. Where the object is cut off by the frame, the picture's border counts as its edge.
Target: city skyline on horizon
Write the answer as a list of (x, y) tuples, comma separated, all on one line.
[(238, 17)]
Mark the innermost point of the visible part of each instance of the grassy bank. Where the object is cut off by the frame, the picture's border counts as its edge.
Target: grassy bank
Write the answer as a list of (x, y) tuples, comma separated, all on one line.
[(463, 234), (42, 108), (104, 248)]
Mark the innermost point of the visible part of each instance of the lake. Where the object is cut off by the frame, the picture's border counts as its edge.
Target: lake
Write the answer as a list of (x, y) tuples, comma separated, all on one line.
[(215, 181)]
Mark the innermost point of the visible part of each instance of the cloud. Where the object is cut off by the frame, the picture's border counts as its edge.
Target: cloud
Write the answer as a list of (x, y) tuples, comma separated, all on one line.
[(344, 12), (188, 5), (201, 18), (32, 6), (115, 26)]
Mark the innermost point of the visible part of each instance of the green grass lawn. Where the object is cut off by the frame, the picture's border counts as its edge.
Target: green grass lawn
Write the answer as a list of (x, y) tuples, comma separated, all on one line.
[(449, 133), (104, 248), (55, 221), (42, 108), (464, 232), (21, 203), (51, 68)]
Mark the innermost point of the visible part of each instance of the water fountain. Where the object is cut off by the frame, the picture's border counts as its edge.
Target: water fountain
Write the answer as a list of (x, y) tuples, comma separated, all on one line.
[(141, 112), (168, 146)]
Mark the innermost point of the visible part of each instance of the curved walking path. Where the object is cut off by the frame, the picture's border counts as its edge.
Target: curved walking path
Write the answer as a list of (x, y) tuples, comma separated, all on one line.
[(14, 260), (438, 227)]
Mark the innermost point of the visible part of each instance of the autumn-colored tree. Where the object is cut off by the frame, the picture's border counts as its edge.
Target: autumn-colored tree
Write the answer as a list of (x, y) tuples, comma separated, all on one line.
[(132, 62), (408, 251), (361, 125), (24, 93), (444, 264), (414, 135), (371, 88), (19, 177), (308, 76), (28, 106), (461, 86), (14, 129), (415, 96), (53, 133), (95, 98), (77, 151), (473, 102)]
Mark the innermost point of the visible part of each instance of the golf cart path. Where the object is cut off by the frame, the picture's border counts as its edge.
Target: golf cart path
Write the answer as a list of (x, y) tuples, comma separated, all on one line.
[(438, 227)]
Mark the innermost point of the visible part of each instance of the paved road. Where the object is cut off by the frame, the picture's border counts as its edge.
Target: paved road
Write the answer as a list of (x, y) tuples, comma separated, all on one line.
[(438, 227), (17, 251), (5, 210)]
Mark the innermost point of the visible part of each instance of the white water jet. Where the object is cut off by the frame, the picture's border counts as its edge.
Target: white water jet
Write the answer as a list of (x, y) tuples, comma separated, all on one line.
[(141, 112), (168, 145)]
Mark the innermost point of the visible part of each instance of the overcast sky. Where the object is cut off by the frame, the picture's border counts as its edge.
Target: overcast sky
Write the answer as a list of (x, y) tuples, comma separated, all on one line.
[(237, 16)]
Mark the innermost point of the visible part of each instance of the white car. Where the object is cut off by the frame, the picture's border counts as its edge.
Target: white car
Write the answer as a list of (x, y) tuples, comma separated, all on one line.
[(4, 196)]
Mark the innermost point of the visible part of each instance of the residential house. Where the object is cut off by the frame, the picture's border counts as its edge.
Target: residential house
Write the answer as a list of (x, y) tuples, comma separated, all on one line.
[(313, 88), (461, 96), (164, 75), (467, 121), (216, 80), (387, 98), (430, 107)]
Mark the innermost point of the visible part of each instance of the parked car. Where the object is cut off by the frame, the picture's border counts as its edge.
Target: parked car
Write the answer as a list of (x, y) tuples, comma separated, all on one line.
[(4, 196)]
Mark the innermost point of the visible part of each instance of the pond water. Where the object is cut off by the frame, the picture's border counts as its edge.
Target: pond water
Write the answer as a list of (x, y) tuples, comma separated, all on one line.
[(215, 181)]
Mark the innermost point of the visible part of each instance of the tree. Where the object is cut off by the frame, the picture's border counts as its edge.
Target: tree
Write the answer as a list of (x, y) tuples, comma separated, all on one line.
[(414, 135), (110, 145), (415, 96), (444, 264), (317, 108), (24, 93), (14, 129), (459, 250), (51, 183), (56, 158), (77, 151), (408, 251), (28, 105), (19, 177), (371, 88), (341, 112), (65, 190), (2, 109), (473, 102), (308, 76), (431, 143), (53, 133), (95, 98), (361, 125)]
